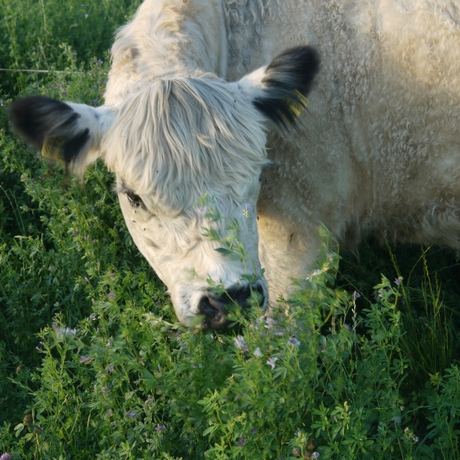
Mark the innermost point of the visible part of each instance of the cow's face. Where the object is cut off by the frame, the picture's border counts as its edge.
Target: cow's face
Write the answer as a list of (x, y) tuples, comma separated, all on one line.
[(188, 156), (187, 153)]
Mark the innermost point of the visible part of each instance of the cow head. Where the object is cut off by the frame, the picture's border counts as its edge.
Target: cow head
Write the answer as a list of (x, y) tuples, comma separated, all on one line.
[(187, 153)]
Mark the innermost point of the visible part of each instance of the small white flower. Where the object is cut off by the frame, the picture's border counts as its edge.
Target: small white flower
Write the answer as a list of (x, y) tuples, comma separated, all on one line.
[(65, 332), (313, 274), (271, 362), (240, 343), (258, 323), (257, 353)]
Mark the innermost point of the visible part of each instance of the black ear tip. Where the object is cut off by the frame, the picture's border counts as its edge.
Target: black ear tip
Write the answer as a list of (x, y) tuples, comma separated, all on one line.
[(295, 67), (287, 81), (20, 114), (304, 53), (295, 56), (311, 56), (35, 117)]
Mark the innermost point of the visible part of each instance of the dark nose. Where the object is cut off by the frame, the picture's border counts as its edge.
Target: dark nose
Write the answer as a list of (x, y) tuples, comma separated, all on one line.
[(213, 307)]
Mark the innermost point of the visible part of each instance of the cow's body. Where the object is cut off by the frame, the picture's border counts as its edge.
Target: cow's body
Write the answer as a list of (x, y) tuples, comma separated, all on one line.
[(377, 151)]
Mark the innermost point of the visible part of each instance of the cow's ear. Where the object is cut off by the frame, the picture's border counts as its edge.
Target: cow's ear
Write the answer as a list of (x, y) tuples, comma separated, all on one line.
[(63, 131), (280, 89)]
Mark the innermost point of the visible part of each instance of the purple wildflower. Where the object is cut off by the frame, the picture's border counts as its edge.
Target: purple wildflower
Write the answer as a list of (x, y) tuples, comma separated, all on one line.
[(241, 441), (201, 212), (294, 341), (132, 415), (85, 359), (270, 323), (356, 295), (6, 456), (160, 428), (315, 455), (111, 295)]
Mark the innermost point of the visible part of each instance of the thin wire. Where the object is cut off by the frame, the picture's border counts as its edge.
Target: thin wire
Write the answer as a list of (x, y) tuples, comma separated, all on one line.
[(38, 71)]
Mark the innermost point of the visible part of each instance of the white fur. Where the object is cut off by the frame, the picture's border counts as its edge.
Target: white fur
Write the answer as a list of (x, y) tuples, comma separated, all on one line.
[(378, 152)]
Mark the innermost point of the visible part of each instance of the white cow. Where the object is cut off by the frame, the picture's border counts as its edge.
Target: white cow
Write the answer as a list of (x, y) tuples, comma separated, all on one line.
[(188, 104)]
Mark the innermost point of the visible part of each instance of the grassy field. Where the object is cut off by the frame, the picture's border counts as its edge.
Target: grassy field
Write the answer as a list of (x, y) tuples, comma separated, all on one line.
[(361, 365)]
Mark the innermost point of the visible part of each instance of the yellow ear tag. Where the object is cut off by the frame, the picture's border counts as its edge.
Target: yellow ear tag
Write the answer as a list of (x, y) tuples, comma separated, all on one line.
[(299, 107), (53, 148)]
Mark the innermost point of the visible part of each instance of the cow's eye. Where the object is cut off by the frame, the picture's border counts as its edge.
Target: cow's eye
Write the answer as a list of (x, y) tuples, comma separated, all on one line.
[(135, 200)]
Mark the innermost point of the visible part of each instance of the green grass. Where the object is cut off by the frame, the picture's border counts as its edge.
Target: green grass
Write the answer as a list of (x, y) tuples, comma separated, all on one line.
[(361, 364)]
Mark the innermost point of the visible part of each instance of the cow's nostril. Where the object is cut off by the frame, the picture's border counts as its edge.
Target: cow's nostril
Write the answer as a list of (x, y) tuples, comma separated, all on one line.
[(214, 312)]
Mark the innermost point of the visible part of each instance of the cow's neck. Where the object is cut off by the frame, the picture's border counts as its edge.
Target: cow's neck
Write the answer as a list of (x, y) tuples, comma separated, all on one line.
[(245, 26)]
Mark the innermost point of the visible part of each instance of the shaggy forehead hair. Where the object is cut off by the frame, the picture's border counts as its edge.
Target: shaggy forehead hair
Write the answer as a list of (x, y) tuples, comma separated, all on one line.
[(177, 139)]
